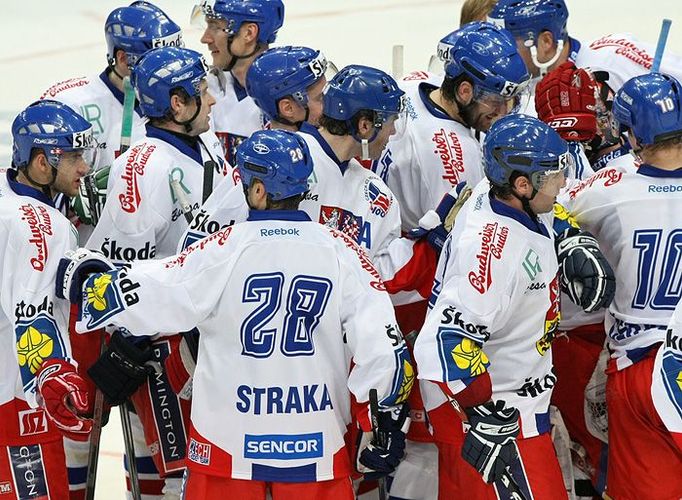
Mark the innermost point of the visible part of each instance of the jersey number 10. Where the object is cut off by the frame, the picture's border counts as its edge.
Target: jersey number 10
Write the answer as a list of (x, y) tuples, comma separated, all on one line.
[(664, 292), (306, 300)]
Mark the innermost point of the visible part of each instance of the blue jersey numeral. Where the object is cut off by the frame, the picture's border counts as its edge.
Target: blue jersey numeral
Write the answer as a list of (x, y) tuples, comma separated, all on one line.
[(659, 277), (306, 301)]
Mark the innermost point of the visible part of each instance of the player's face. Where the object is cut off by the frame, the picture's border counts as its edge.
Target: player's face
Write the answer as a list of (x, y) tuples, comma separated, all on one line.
[(215, 38), (545, 198), (377, 146), (487, 109), (315, 102), (201, 122), (71, 169)]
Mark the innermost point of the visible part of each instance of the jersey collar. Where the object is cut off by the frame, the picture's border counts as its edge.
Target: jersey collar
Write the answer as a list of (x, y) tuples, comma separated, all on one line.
[(164, 135), (289, 215), (26, 190), (104, 76), (239, 91), (425, 89), (651, 171), (307, 128), (518, 215), (574, 49)]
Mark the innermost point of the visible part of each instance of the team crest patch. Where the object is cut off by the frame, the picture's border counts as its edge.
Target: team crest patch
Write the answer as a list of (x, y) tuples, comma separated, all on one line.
[(199, 453), (37, 339), (406, 376), (103, 296), (379, 202), (343, 220), (672, 379), (469, 356)]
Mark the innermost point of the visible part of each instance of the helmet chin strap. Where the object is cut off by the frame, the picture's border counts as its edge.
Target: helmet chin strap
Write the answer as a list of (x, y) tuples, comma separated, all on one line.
[(545, 65), (45, 188), (364, 143), (188, 123), (235, 57)]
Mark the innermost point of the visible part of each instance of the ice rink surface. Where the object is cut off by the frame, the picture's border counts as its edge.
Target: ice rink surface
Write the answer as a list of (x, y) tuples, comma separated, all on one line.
[(46, 41)]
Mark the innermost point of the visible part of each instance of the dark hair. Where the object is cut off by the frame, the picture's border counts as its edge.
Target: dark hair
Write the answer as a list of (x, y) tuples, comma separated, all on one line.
[(340, 127), (168, 116), (507, 191), (290, 203), (448, 88)]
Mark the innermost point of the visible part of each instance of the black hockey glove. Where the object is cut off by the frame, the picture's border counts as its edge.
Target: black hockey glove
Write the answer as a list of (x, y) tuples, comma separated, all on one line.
[(490, 444), (586, 276), (121, 368), (377, 458)]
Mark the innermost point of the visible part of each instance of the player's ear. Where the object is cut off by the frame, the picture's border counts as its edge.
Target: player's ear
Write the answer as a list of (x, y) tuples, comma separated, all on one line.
[(546, 45), (523, 186), (121, 59), (250, 32), (465, 92), (285, 108)]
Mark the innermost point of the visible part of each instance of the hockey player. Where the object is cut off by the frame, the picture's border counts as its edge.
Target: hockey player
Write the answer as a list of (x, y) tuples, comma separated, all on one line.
[(286, 83), (236, 32), (436, 146), (633, 214), (41, 395), (129, 32), (321, 330), (503, 261), (154, 188)]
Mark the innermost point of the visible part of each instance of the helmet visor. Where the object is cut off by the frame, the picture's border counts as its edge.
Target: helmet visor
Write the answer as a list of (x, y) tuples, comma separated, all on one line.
[(551, 180)]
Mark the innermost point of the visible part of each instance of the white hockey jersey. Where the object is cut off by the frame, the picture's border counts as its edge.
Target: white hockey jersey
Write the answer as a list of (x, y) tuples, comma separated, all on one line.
[(624, 57), (634, 214), (33, 322), (142, 217), (101, 103), (234, 116), (293, 316), (495, 308), (429, 154)]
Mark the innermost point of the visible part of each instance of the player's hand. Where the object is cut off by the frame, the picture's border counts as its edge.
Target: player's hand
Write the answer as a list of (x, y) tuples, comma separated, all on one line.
[(490, 444), (378, 457), (565, 99), (121, 368), (181, 363), (92, 194), (586, 276), (64, 395), (436, 224), (73, 270)]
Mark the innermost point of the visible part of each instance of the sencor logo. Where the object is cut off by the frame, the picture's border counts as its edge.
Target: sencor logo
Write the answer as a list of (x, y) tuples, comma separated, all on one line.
[(283, 446)]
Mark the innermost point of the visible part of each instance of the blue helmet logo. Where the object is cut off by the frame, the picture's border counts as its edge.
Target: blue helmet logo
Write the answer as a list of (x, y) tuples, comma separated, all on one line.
[(526, 19)]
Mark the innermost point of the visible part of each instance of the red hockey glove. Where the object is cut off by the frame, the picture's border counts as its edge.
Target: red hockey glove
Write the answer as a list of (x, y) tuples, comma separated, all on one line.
[(64, 395), (565, 100)]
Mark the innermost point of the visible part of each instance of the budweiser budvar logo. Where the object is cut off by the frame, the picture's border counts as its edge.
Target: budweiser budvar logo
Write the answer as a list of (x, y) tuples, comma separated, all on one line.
[(450, 151), (65, 85), (626, 49), (135, 163), (493, 239), (611, 176), (366, 264), (40, 225), (221, 237)]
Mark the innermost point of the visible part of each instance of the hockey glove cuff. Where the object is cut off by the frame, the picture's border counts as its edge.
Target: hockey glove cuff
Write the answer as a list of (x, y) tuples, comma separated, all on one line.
[(490, 444), (181, 363)]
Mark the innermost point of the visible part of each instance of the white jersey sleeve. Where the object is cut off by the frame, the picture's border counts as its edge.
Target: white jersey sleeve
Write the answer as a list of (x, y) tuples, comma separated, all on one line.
[(33, 321)]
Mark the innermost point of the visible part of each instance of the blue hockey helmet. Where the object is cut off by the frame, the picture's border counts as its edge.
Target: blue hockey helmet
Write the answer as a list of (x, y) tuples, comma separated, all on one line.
[(282, 72), (520, 143), (526, 19), (357, 88), (488, 56), (279, 159), (267, 14), (54, 128), (651, 106), (161, 70), (138, 28)]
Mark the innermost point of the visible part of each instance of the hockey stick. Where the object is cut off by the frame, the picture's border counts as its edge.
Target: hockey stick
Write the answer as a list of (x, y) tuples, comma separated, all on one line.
[(130, 451), (185, 205), (660, 46), (95, 434), (127, 120), (374, 415), (397, 62)]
